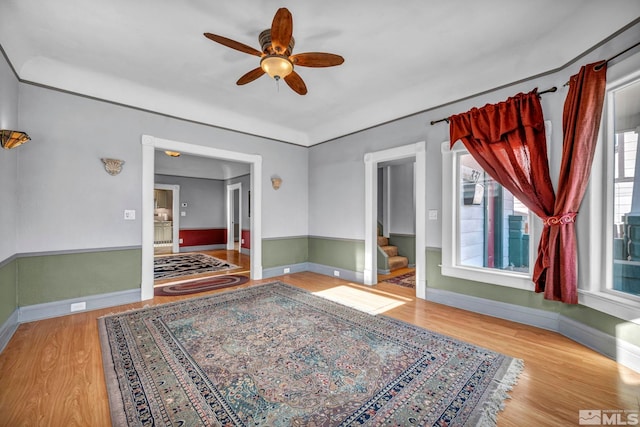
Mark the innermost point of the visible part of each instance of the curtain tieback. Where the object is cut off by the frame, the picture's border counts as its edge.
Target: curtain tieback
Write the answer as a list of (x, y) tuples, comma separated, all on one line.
[(560, 219)]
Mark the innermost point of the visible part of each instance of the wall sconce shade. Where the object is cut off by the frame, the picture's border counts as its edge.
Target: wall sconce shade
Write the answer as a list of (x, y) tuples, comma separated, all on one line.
[(172, 153), (12, 138), (113, 166), (276, 181)]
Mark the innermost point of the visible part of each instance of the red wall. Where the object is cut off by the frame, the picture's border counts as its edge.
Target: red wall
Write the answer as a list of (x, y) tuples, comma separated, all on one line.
[(203, 237)]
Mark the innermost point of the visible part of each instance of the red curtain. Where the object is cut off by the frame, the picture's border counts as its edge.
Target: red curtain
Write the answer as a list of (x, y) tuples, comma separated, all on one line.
[(508, 141), (580, 124)]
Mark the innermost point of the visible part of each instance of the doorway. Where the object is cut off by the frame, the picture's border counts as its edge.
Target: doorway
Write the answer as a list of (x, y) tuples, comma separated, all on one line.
[(149, 145), (372, 161), (234, 216), (166, 219)]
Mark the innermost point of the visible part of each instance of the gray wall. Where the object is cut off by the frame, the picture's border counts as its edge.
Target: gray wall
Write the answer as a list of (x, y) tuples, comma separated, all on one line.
[(68, 201), (206, 201), (8, 161), (403, 218)]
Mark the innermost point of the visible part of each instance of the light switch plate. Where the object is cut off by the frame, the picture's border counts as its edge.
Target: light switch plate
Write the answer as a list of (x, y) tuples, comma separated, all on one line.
[(433, 214), (183, 213), (129, 214)]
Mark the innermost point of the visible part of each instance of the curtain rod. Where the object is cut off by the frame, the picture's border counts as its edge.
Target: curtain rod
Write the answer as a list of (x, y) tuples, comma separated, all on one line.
[(446, 119), (616, 55), (606, 61)]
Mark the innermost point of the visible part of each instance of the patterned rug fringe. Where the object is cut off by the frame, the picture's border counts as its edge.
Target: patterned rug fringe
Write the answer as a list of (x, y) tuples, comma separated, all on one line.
[(500, 393)]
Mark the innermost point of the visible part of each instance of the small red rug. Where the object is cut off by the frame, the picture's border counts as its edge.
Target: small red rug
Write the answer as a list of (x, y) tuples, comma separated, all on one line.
[(407, 280), (202, 285)]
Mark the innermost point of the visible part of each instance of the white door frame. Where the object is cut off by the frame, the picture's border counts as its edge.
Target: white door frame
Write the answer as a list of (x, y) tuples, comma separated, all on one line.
[(231, 214), (175, 207), (149, 146), (371, 160)]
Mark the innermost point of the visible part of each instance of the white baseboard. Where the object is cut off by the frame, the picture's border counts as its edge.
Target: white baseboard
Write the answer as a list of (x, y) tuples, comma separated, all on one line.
[(8, 328), (594, 339), (327, 270), (627, 354), (279, 270), (516, 313), (185, 249), (47, 310), (621, 351)]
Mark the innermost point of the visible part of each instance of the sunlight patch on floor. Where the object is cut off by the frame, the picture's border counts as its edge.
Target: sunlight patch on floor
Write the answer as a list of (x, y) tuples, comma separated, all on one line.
[(360, 300)]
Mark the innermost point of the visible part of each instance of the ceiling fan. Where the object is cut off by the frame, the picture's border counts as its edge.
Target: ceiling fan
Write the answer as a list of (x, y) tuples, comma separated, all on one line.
[(276, 58)]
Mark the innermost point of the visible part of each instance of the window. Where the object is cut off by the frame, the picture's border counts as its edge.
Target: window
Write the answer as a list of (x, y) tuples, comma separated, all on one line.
[(486, 230), (493, 225), (608, 253), (625, 215)]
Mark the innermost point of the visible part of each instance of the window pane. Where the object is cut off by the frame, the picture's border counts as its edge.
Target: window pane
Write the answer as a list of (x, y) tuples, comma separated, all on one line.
[(626, 195), (493, 225)]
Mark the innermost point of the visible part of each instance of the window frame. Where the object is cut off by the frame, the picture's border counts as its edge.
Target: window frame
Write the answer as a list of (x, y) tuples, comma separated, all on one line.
[(597, 291), (451, 238)]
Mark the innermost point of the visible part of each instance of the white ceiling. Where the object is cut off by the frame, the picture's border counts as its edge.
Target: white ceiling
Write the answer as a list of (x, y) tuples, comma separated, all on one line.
[(198, 167), (400, 57)]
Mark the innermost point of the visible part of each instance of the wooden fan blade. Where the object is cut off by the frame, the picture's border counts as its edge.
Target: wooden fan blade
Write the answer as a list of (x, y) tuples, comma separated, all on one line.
[(296, 83), (233, 44), (316, 59), (250, 76), (281, 30)]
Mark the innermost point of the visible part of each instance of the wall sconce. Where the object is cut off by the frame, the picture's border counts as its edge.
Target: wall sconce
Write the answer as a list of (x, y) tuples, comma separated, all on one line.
[(275, 182), (172, 153), (113, 166), (12, 138)]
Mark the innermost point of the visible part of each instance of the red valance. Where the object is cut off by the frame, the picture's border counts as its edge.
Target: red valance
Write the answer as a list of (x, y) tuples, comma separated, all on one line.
[(508, 141)]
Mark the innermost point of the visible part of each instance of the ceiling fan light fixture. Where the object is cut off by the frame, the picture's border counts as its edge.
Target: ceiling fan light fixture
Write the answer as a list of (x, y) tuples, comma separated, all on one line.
[(276, 66)]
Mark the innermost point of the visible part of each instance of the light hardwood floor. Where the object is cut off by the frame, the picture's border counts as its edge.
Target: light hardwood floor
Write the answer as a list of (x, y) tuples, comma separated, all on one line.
[(51, 371)]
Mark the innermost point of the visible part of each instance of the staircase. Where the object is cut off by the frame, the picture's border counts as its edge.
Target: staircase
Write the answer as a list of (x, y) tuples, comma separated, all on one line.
[(395, 261)]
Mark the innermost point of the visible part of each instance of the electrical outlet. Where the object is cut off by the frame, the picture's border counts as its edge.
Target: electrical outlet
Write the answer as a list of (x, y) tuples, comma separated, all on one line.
[(181, 241), (183, 213), (287, 270), (336, 273), (129, 214), (433, 214), (78, 306)]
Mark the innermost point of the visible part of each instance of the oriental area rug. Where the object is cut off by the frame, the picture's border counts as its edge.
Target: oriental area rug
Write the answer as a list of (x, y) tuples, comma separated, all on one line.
[(276, 355), (202, 285), (407, 280), (178, 265)]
